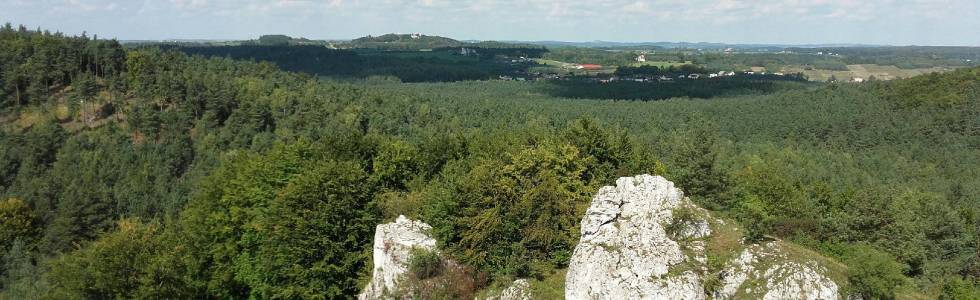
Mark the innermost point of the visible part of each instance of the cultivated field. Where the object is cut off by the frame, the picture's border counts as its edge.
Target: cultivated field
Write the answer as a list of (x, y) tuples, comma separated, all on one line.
[(661, 64), (865, 72), (560, 67)]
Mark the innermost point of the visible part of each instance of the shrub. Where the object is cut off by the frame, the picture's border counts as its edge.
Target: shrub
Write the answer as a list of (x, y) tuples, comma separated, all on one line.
[(424, 264), (17, 220), (683, 216), (751, 212), (959, 289), (430, 277), (873, 274)]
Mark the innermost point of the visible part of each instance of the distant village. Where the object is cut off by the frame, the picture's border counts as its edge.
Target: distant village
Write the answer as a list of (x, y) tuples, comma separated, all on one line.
[(614, 78), (591, 72), (608, 73)]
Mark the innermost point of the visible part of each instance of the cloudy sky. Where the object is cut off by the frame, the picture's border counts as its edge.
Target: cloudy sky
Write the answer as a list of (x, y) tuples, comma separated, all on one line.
[(895, 22)]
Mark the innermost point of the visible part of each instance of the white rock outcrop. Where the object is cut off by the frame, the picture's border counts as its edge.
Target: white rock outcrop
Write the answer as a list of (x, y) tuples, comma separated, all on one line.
[(393, 244), (632, 247), (777, 276), (519, 290), (624, 251)]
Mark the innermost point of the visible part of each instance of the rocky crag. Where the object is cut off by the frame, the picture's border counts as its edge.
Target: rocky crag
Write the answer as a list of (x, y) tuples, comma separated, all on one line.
[(642, 239), (393, 244)]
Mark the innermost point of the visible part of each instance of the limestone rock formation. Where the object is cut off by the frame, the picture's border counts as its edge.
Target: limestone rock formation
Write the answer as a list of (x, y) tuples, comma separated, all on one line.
[(624, 251), (776, 276), (642, 239), (393, 244)]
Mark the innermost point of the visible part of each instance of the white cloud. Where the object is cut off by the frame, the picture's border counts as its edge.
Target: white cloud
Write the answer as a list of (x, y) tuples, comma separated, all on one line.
[(189, 4)]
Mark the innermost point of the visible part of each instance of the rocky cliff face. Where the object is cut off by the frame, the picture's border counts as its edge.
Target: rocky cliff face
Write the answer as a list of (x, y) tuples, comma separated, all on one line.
[(393, 243), (641, 239)]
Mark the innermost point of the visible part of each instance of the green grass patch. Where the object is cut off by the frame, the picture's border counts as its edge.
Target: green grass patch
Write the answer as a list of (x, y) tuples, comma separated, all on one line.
[(549, 287), (723, 245), (553, 63), (660, 64), (835, 270), (864, 71)]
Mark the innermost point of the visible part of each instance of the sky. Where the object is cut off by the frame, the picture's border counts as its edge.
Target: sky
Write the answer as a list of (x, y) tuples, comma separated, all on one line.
[(883, 22)]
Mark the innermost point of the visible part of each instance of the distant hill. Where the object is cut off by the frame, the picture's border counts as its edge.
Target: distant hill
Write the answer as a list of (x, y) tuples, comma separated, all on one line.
[(683, 45), (281, 40), (404, 42)]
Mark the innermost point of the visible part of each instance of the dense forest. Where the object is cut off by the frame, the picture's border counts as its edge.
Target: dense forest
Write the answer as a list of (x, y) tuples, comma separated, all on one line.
[(444, 64), (153, 173), (904, 57), (700, 88), (591, 56), (403, 42)]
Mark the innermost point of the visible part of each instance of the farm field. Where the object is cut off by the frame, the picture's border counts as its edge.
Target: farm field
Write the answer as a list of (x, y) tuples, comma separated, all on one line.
[(560, 67), (864, 71), (661, 64)]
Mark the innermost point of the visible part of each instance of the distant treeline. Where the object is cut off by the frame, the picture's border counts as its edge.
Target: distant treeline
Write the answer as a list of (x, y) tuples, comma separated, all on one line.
[(700, 88), (591, 56), (411, 66), (905, 57), (492, 50), (657, 71), (282, 40), (404, 42)]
